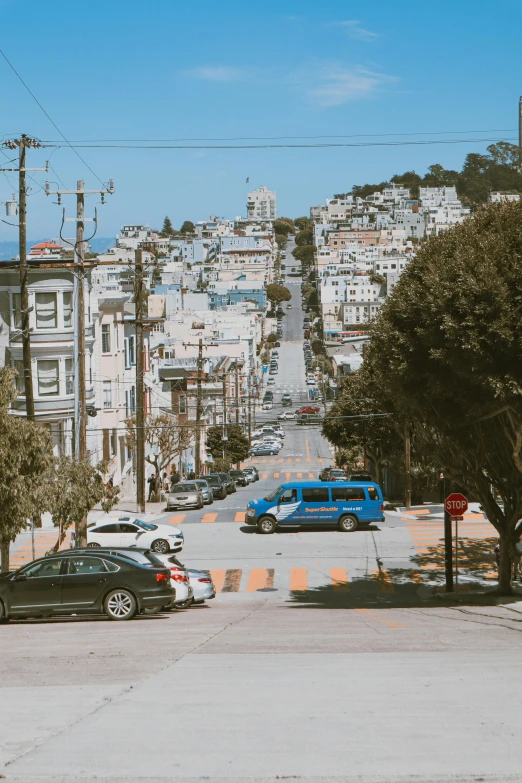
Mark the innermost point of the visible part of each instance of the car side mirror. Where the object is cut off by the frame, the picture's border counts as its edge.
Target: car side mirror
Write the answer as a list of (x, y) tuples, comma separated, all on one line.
[(140, 533), (21, 577)]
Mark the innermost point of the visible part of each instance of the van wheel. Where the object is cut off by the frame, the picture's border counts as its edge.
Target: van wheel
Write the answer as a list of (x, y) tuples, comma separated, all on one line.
[(266, 525), (348, 523)]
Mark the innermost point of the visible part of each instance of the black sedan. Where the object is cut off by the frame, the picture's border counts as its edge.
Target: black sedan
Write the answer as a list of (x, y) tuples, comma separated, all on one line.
[(219, 490), (227, 481), (78, 581), (239, 477)]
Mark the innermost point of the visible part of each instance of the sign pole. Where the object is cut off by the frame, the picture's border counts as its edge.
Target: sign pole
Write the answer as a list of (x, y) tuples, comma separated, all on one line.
[(455, 506), (456, 554), (448, 552)]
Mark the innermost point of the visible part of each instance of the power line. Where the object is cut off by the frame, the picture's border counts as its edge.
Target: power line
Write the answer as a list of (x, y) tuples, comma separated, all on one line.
[(324, 145), (279, 138), (33, 96)]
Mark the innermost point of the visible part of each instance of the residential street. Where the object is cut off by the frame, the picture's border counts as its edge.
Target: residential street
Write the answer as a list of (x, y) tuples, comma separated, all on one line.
[(325, 656)]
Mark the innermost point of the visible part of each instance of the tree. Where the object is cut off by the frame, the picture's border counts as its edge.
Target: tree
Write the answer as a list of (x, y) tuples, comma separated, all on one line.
[(318, 347), (446, 349), (272, 337), (167, 229), (305, 237), (234, 448), (25, 457), (305, 254), (302, 222), (281, 240), (283, 226), (188, 227), (72, 489), (167, 439), (277, 293)]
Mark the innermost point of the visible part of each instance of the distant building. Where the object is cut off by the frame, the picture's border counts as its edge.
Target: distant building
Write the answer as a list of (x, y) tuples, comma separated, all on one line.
[(262, 204)]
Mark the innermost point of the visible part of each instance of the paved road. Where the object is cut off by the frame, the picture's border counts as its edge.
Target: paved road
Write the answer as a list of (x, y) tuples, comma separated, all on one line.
[(324, 657)]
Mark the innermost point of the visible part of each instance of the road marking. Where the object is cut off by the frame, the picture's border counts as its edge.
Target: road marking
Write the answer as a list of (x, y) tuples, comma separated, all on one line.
[(289, 459), (256, 580), (298, 579), (263, 462), (280, 459), (298, 459), (269, 577), (339, 579), (232, 580), (417, 511), (382, 578), (240, 516), (320, 459), (299, 475), (272, 460), (287, 475), (210, 517), (218, 577), (374, 616), (310, 475), (176, 519), (264, 475)]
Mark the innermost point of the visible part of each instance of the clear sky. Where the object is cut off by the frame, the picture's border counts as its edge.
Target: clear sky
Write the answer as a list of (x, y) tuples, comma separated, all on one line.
[(165, 69)]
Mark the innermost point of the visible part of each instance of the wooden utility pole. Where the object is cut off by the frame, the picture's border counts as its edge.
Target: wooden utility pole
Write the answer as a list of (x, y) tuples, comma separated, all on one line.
[(140, 407), (24, 294), (407, 466), (198, 410)]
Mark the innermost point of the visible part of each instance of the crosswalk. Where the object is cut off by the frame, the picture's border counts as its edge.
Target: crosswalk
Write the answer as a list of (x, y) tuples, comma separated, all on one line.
[(43, 542)]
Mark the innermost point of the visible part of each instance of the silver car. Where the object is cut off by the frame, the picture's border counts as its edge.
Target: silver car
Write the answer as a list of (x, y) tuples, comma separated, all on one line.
[(185, 495), (206, 491), (200, 582)]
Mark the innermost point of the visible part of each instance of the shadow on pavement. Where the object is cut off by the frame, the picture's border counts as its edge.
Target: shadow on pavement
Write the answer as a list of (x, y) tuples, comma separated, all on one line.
[(310, 529)]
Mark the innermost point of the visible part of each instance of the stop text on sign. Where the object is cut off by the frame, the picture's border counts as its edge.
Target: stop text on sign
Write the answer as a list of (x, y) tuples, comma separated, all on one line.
[(456, 504)]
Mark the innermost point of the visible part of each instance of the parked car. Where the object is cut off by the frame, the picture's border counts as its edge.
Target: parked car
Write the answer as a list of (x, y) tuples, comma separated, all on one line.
[(271, 381), (251, 473), (200, 582), (131, 532), (238, 476), (323, 475), (360, 477), (267, 406), (206, 491), (185, 495), (277, 344), (263, 451), (286, 400), (228, 482), (180, 580), (289, 307), (219, 490), (80, 581), (337, 475)]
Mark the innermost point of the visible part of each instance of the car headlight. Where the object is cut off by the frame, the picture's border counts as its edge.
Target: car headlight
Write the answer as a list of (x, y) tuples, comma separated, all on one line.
[(175, 535), (250, 512)]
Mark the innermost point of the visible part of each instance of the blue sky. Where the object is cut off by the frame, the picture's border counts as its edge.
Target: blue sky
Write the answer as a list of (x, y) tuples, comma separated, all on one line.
[(200, 70)]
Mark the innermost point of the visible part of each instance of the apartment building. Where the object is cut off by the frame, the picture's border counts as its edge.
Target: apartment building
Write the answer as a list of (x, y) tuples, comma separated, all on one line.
[(262, 204)]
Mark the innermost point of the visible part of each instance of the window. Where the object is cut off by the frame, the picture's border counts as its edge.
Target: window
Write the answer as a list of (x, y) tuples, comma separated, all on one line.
[(317, 495), (48, 378), (69, 376), (348, 493), (126, 352), (373, 494), (16, 320), (125, 527), (133, 400), (132, 350), (106, 338), (67, 309), (45, 568), (20, 379), (107, 529), (86, 565), (46, 311), (182, 401), (114, 442), (288, 496), (107, 394)]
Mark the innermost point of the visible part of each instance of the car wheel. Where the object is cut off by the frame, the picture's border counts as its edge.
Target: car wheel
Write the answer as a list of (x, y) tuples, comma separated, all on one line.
[(266, 525), (153, 610), (92, 545), (3, 617), (184, 604), (348, 523), (160, 545), (120, 605)]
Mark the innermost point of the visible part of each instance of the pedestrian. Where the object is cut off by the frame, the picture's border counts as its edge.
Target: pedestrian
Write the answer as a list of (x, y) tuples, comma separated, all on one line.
[(174, 478), (151, 481), (192, 475), (165, 482), (184, 477)]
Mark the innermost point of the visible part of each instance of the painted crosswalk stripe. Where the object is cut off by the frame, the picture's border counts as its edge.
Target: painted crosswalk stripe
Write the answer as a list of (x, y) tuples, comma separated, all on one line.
[(210, 517), (298, 579), (287, 475), (264, 475), (256, 580), (299, 475), (232, 580), (276, 475), (176, 519), (339, 579), (240, 516), (310, 475), (218, 577)]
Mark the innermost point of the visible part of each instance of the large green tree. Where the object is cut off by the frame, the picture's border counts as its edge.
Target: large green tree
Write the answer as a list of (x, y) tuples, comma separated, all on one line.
[(234, 446), (188, 227), (25, 458), (277, 293), (446, 349), (304, 254), (305, 237), (302, 222), (167, 228), (284, 226)]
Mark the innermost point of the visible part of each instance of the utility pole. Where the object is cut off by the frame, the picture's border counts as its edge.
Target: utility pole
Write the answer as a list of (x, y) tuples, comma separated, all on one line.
[(225, 430), (407, 466), (448, 543), (80, 408), (237, 391), (140, 408), (520, 134), (249, 410), (198, 409), (23, 143)]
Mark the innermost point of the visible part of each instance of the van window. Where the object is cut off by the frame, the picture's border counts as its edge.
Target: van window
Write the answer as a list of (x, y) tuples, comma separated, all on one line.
[(288, 496), (316, 495), (348, 493), (373, 494)]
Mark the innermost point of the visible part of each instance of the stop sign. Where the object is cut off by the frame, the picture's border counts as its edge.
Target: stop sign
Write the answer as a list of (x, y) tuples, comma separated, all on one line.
[(456, 504)]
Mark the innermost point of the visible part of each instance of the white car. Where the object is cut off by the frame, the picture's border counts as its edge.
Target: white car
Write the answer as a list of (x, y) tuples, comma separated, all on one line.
[(311, 381), (286, 415), (270, 382), (180, 581), (267, 406), (133, 532)]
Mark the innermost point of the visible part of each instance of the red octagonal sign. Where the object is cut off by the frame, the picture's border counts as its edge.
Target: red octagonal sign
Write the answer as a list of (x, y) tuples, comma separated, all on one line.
[(456, 504)]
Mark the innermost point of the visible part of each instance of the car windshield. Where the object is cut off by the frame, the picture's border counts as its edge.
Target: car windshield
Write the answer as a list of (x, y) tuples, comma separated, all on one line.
[(145, 525), (201, 483), (184, 488), (273, 494)]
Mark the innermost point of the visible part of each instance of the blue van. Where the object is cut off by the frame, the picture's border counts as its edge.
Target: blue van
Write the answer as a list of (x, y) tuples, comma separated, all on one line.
[(346, 504)]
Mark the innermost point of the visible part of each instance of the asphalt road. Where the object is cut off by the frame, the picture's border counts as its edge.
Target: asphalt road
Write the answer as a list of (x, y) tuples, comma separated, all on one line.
[(325, 657)]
